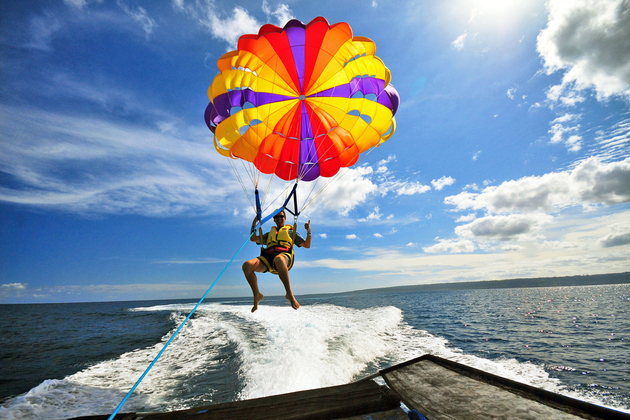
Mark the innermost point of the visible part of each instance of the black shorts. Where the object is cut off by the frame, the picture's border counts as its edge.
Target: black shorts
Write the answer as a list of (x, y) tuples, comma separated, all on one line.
[(268, 255)]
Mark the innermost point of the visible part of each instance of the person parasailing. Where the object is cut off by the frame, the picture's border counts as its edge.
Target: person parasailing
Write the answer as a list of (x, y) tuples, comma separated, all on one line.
[(299, 103), (276, 257)]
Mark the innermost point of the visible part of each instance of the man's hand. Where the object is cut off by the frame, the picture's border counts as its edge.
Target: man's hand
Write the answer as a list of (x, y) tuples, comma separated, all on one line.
[(307, 226)]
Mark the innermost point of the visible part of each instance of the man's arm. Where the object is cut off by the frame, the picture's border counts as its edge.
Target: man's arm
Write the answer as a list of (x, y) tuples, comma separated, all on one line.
[(307, 241)]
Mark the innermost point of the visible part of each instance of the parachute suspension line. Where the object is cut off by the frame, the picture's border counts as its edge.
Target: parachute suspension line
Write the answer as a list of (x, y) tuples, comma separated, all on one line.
[(177, 331), (330, 180), (267, 190), (245, 168), (312, 191), (264, 207), (240, 180), (250, 170), (337, 176), (321, 152)]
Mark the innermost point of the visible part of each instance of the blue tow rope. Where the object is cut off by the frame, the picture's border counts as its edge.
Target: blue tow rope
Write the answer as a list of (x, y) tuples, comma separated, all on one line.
[(186, 320), (188, 317)]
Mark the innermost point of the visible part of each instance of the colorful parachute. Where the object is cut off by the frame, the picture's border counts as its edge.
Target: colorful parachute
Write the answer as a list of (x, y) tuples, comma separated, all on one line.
[(301, 101)]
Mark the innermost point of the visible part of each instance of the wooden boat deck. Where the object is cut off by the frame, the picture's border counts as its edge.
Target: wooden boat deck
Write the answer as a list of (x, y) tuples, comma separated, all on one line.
[(336, 402), (438, 388), (445, 390)]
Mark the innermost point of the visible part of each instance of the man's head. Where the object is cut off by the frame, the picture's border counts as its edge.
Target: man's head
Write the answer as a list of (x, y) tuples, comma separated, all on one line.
[(280, 218)]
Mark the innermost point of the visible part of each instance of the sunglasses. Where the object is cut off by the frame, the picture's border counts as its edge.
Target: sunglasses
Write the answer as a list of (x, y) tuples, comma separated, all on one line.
[(279, 216)]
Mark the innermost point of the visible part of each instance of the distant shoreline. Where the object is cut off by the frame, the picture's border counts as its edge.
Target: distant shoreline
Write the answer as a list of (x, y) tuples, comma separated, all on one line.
[(587, 280)]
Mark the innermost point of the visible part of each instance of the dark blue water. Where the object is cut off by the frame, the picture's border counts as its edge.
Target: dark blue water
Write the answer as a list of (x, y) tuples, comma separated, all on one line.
[(63, 360)]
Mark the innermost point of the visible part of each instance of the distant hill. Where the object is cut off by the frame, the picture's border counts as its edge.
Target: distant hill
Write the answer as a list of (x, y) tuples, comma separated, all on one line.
[(591, 280)]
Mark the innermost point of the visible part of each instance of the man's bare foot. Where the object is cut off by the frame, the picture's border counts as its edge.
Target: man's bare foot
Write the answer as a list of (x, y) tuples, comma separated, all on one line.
[(257, 300), (294, 303)]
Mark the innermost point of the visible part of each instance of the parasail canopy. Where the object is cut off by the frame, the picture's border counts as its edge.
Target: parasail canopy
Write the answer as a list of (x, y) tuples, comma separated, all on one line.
[(301, 101)]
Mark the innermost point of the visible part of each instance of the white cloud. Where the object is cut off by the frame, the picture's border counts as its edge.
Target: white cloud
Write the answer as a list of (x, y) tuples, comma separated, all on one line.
[(619, 236), (476, 155), (504, 228), (89, 165), (13, 286), (402, 187), (140, 15), (511, 92), (467, 218), (12, 290), (390, 158), (230, 28), (378, 235), (614, 143), (568, 117), (282, 13), (351, 236), (615, 240), (588, 41), (458, 44), (564, 95), (521, 210), (512, 247), (79, 4), (162, 167), (591, 182), (226, 28), (411, 188), (350, 188), (375, 215), (574, 143), (438, 184), (323, 236), (560, 128), (42, 28), (456, 246)]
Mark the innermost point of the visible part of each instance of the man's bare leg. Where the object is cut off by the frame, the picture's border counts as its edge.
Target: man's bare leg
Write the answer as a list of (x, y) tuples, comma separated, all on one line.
[(249, 269), (283, 272)]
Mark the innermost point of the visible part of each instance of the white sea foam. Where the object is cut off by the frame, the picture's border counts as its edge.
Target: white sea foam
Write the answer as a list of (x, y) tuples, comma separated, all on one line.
[(279, 350)]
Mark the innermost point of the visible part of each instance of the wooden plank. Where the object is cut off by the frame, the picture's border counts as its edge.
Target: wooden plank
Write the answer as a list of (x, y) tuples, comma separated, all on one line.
[(445, 390), (325, 403)]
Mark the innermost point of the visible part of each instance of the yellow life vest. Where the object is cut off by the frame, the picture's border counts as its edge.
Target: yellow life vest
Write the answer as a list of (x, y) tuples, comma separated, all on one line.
[(281, 237)]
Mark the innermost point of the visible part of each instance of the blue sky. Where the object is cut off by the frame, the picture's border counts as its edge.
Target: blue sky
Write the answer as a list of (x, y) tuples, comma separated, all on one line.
[(511, 157)]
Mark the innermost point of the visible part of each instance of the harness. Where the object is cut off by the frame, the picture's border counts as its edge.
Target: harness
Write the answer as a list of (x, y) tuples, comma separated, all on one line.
[(279, 241)]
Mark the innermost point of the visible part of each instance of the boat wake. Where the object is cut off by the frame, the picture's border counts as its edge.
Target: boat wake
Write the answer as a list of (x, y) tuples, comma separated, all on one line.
[(226, 353)]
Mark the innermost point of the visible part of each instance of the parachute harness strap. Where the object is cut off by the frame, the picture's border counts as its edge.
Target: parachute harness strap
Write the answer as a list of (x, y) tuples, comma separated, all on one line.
[(177, 332)]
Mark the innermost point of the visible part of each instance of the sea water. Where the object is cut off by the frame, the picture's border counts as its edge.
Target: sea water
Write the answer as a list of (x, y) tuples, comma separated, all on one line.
[(65, 360)]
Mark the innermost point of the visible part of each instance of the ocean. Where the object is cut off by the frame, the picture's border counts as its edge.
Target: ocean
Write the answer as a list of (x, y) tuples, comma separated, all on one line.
[(65, 360)]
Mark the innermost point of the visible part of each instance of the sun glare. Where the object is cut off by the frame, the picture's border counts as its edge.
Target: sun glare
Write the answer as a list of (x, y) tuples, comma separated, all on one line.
[(495, 7)]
